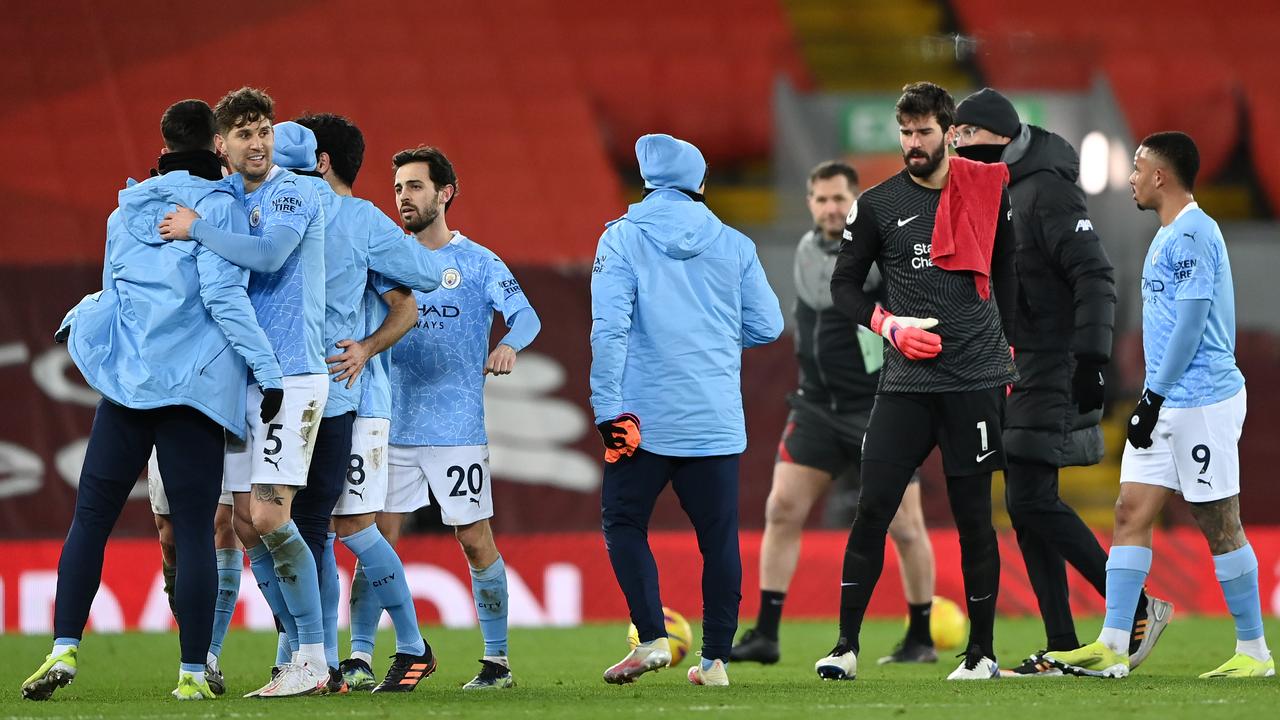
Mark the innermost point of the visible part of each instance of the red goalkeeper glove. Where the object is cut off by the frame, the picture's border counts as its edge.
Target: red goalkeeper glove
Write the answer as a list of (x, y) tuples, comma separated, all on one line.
[(909, 336)]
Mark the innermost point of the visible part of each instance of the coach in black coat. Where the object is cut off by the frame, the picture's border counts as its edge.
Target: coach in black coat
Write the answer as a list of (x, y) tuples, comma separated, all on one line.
[(1062, 339)]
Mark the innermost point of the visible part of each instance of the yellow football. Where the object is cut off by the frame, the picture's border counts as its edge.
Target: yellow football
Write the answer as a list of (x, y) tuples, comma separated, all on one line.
[(679, 635), (948, 624)]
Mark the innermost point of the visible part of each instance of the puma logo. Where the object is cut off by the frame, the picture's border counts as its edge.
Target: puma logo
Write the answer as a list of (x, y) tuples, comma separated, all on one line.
[(273, 463), (475, 500), (359, 494)]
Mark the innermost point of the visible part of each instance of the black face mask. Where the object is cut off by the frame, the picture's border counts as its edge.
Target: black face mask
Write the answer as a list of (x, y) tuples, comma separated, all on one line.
[(981, 153), (200, 163)]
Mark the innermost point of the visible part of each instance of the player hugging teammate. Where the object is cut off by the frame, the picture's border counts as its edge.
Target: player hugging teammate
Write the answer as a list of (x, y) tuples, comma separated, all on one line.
[(282, 263), (352, 392)]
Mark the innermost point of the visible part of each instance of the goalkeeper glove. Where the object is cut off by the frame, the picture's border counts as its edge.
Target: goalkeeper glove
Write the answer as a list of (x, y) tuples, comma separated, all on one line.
[(1088, 385), (621, 437), (1143, 420), (909, 336)]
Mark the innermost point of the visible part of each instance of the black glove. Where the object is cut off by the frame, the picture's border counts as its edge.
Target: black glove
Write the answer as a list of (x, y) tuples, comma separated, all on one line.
[(62, 334), (272, 399), (1088, 385), (1143, 420)]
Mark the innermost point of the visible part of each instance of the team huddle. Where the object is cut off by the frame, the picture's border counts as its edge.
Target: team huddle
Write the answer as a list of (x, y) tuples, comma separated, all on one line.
[(296, 369), (277, 279)]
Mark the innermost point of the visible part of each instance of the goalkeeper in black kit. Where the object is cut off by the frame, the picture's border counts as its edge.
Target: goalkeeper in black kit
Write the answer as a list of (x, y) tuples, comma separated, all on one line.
[(942, 235)]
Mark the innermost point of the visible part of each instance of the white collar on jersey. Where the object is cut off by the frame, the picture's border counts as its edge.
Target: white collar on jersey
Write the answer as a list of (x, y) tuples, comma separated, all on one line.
[(1193, 205)]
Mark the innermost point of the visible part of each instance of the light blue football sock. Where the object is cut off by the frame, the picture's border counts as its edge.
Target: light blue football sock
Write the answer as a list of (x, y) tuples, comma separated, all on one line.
[(489, 588), (365, 613), (1127, 570), (329, 596), (387, 588), (1237, 573), (300, 585), (264, 573), (284, 649), (230, 568)]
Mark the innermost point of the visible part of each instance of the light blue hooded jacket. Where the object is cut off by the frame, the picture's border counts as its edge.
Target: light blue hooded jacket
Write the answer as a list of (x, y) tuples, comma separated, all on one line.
[(675, 297), (173, 324)]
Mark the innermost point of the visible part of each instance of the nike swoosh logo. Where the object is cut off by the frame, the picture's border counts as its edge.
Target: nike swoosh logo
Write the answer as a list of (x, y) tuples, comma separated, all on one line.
[(904, 222), (845, 584), (984, 456), (984, 597)]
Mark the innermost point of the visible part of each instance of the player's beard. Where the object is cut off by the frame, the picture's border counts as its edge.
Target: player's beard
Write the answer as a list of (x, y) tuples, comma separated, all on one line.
[(924, 171), (423, 218)]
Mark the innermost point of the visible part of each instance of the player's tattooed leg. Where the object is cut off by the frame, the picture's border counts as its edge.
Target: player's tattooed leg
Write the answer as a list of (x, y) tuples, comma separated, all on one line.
[(268, 494), (1220, 522)]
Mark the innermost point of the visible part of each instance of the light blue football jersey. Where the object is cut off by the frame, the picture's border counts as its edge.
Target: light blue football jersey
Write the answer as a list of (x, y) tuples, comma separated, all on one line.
[(290, 301), (375, 393), (437, 369), (358, 238), (1187, 260)]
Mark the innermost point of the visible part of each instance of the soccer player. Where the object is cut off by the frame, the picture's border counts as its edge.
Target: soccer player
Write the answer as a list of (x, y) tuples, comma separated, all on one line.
[(675, 297), (168, 380), (286, 286), (1184, 431), (839, 368), (438, 443), (368, 259), (1063, 337), (942, 235)]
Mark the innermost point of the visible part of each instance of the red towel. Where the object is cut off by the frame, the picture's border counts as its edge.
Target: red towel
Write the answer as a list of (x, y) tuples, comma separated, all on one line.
[(964, 228)]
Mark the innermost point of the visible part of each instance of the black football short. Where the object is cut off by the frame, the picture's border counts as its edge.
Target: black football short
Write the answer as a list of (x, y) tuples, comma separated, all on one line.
[(817, 437), (966, 426)]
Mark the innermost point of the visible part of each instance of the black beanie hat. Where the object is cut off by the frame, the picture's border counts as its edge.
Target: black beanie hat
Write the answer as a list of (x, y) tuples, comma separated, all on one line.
[(990, 110)]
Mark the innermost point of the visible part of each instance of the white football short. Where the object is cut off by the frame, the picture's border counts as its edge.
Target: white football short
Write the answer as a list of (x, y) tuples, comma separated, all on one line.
[(279, 452), (365, 490), (457, 475), (1193, 451)]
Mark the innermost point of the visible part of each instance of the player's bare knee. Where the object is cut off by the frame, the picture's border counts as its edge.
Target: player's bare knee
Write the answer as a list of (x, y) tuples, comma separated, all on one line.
[(906, 530), (477, 544), (782, 510), (1124, 514), (164, 529), (1219, 521), (348, 525)]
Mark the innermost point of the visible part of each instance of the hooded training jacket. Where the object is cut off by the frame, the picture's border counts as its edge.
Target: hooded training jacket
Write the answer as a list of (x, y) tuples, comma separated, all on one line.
[(675, 297), (173, 324)]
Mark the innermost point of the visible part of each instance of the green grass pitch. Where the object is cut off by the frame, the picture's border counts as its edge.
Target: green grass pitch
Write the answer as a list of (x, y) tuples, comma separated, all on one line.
[(558, 671)]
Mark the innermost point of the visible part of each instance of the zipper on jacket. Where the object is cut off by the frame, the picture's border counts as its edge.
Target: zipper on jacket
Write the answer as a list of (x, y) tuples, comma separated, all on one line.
[(214, 358), (817, 358)]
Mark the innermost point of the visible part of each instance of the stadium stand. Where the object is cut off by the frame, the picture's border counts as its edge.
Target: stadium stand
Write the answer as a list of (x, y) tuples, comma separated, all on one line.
[(529, 119), (1198, 87)]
